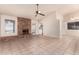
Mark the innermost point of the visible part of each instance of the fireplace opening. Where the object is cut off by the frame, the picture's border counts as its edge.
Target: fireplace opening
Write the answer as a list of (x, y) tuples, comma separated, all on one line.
[(25, 31)]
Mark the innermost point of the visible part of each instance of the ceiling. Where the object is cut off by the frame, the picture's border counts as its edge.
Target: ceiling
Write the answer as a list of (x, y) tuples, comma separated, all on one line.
[(28, 10)]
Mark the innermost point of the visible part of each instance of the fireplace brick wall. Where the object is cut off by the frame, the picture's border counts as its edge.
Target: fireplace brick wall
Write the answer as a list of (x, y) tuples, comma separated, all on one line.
[(23, 23)]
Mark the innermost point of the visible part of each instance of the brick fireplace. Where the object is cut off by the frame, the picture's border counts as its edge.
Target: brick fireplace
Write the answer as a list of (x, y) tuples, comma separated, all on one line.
[(24, 26)]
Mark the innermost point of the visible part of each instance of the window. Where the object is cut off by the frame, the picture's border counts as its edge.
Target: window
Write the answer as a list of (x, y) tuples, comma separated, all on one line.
[(9, 26), (73, 25)]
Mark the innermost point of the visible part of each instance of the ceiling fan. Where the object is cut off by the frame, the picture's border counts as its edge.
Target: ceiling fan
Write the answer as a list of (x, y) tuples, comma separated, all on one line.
[(38, 12)]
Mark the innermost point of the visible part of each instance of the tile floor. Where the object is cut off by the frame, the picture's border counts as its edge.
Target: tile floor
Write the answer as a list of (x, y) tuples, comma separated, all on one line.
[(40, 45)]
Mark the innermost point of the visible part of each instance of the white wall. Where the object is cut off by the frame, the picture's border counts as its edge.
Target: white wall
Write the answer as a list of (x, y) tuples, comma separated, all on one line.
[(59, 17), (70, 32), (51, 26), (35, 27), (2, 29), (75, 17)]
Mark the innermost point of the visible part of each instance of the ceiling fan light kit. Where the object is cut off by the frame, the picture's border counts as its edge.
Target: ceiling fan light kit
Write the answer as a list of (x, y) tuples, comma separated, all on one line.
[(38, 12)]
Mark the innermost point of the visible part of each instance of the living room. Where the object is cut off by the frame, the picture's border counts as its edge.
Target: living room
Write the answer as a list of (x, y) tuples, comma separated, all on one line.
[(35, 29)]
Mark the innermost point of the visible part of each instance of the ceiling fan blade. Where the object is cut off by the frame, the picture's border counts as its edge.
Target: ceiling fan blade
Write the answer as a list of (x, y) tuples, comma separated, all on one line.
[(42, 14)]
